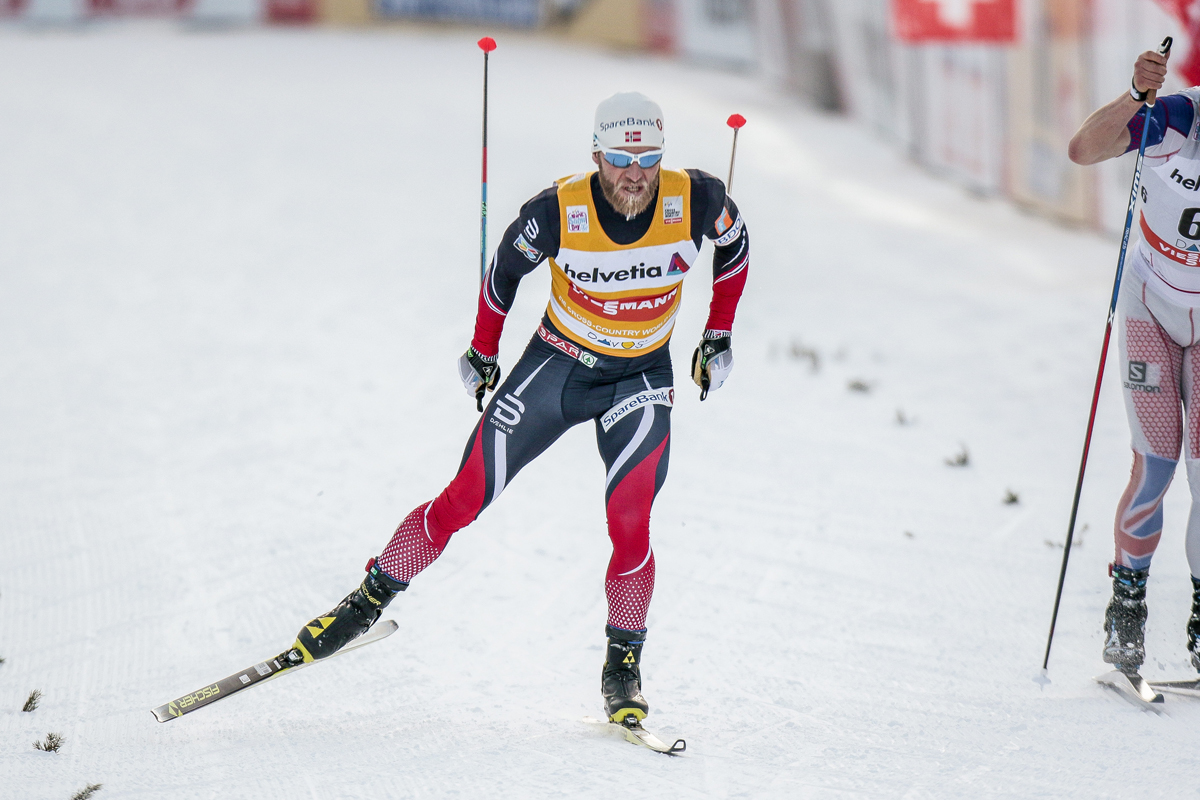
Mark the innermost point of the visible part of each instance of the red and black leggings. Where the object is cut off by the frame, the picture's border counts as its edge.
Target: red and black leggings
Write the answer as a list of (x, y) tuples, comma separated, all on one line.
[(549, 391)]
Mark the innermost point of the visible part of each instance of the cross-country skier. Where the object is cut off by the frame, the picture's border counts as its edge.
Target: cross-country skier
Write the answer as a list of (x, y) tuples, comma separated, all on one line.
[(1159, 329), (619, 242)]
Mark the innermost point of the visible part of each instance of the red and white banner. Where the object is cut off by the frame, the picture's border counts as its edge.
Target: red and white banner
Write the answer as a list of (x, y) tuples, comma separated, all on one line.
[(296, 12), (1188, 13), (955, 20)]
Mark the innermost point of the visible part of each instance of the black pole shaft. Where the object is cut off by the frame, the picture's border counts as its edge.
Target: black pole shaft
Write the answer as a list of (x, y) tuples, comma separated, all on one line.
[(732, 156), (483, 201), (1164, 49)]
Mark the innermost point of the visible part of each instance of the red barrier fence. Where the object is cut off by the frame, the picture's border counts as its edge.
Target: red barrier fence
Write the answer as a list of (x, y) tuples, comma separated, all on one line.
[(291, 12)]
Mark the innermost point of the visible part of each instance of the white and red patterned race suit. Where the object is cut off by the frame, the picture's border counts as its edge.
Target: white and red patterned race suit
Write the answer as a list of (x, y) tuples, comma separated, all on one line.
[(1159, 308), (599, 355)]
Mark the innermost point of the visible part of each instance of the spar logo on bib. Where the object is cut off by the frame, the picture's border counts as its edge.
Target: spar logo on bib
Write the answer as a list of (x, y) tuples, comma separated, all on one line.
[(672, 209), (577, 219)]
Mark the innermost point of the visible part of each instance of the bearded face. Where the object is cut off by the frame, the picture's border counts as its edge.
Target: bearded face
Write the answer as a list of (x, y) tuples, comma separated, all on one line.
[(631, 190)]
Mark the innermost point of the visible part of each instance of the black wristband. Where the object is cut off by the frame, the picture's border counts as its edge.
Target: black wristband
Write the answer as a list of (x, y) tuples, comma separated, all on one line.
[(1135, 94)]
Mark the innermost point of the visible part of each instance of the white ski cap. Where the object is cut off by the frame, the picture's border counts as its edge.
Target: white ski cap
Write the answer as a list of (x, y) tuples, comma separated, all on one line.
[(627, 119)]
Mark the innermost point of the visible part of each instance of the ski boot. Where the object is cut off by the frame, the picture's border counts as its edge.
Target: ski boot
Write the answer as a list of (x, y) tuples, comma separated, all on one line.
[(1193, 626), (1125, 619), (349, 619), (621, 679)]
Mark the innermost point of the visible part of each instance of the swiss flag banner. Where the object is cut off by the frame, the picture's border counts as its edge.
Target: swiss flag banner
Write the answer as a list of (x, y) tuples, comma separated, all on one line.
[(1182, 11), (955, 20)]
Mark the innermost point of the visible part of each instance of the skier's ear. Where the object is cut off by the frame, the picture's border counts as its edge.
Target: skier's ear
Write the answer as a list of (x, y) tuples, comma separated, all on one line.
[(596, 159)]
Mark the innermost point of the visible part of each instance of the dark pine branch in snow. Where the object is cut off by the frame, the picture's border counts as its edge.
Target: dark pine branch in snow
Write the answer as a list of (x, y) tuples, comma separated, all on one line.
[(51, 744)]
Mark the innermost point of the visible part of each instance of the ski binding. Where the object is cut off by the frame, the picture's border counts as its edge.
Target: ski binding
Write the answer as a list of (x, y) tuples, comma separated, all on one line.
[(634, 733)]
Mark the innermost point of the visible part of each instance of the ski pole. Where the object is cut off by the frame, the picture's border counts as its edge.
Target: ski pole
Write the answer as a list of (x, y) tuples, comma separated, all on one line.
[(1163, 49), (487, 44), (735, 121)]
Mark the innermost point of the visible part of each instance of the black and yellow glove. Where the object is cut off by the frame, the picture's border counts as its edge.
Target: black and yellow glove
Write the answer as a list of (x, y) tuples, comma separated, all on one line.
[(713, 361)]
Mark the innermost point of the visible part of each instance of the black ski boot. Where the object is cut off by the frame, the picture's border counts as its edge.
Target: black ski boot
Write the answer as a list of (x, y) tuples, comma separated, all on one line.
[(621, 679), (1125, 619), (1193, 626), (349, 619)]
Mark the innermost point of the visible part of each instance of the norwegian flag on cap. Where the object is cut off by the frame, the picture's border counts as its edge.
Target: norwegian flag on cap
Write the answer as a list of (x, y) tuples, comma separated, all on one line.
[(625, 119)]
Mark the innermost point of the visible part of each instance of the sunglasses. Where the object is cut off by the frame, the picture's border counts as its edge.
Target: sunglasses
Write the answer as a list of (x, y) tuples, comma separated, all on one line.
[(620, 159)]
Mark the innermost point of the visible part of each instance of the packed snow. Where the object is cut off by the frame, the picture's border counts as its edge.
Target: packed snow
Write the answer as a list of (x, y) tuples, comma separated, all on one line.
[(236, 270)]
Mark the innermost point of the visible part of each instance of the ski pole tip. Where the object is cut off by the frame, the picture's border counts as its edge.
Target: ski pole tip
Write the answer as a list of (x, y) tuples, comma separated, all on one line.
[(487, 44), (735, 121)]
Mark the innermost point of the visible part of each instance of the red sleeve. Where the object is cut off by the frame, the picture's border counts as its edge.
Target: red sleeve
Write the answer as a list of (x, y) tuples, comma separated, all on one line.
[(727, 290), (489, 324)]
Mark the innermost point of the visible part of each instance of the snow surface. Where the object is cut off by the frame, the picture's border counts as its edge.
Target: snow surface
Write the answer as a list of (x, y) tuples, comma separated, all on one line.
[(236, 270)]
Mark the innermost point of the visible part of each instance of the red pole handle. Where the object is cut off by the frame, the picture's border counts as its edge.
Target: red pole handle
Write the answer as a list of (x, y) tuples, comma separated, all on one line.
[(735, 121)]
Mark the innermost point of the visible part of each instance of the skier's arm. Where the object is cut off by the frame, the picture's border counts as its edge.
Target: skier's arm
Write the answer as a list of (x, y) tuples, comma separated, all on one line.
[(731, 261), (1107, 133), (529, 240), (716, 217)]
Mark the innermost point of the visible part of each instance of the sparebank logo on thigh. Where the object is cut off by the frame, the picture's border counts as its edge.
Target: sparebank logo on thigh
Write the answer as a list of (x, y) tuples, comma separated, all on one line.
[(1143, 377), (658, 397)]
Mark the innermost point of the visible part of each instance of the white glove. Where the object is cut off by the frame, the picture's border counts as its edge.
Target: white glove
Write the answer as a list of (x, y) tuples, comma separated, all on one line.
[(713, 361)]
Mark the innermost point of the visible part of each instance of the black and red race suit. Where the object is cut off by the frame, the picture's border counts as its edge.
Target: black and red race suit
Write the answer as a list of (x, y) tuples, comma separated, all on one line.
[(600, 354)]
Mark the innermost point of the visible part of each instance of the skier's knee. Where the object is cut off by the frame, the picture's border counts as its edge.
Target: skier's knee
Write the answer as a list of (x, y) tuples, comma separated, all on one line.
[(1193, 475)]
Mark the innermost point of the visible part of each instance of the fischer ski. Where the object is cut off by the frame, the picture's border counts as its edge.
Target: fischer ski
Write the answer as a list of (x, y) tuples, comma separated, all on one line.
[(1132, 687), (1183, 688), (634, 733), (260, 673)]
